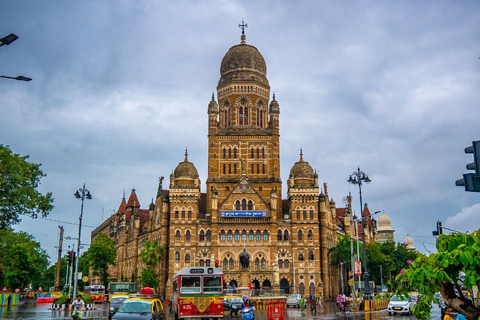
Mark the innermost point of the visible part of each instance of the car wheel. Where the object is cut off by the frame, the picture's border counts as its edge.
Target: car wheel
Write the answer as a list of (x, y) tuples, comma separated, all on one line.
[(389, 313)]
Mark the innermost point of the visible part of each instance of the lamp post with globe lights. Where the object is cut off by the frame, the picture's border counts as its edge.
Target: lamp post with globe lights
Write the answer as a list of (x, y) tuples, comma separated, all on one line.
[(358, 177), (81, 194)]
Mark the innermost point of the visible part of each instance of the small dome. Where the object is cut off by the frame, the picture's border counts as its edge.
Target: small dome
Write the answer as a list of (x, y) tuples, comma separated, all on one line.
[(384, 222), (409, 243), (302, 169), (274, 107), (185, 170), (243, 62), (213, 106)]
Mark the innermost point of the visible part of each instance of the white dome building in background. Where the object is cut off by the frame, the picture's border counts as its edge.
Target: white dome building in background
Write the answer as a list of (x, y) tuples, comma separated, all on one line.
[(385, 232), (408, 242)]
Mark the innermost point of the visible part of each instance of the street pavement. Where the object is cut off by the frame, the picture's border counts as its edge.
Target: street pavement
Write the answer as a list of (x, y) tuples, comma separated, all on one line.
[(31, 310)]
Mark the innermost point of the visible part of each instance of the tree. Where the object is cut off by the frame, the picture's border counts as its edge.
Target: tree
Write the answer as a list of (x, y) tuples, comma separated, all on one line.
[(101, 254), (439, 272), (151, 255), (19, 180), (341, 253), (22, 260)]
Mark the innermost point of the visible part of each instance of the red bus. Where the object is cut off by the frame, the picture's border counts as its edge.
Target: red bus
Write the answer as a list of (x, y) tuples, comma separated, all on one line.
[(96, 292), (198, 293)]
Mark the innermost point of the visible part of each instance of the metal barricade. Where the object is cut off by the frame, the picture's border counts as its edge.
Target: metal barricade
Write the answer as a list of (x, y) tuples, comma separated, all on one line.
[(276, 310)]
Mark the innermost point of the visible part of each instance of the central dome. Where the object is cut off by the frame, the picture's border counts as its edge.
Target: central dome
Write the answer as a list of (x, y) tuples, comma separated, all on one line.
[(243, 62)]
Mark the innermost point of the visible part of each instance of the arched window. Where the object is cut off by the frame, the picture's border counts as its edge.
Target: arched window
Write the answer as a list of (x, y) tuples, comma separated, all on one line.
[(263, 262), (229, 153), (258, 117), (187, 258), (235, 167), (300, 235), (240, 116), (201, 236), (177, 255), (310, 235), (263, 152), (234, 153), (258, 236), (304, 214), (222, 235), (253, 169), (285, 235), (225, 262), (207, 263), (263, 168), (177, 235), (300, 257), (246, 116), (209, 236), (250, 205), (189, 214), (286, 263), (279, 235), (224, 153), (237, 235), (311, 214), (257, 262), (229, 235), (265, 235), (187, 236), (237, 205), (311, 257), (261, 118), (224, 168), (298, 214), (251, 235), (230, 262), (280, 264), (258, 152), (312, 289), (176, 214), (202, 263), (229, 168), (226, 118), (251, 150), (244, 235), (244, 204)]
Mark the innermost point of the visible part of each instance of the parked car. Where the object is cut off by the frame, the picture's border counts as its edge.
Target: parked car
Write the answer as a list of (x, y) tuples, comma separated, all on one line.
[(235, 304), (293, 300), (400, 304)]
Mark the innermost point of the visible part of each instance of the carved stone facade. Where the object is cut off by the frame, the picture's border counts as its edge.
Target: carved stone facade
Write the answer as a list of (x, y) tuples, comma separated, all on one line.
[(287, 240)]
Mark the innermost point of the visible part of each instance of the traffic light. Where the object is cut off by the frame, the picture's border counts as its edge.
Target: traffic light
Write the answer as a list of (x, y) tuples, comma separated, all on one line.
[(439, 229), (216, 263), (69, 258), (471, 181)]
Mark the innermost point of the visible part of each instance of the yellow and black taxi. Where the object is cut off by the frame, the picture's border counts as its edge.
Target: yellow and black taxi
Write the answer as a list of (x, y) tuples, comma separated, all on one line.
[(141, 306), (115, 303)]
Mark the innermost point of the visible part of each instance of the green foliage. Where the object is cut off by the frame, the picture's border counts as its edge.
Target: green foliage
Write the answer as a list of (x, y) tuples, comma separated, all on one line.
[(47, 278), (101, 254), (439, 272), (149, 278), (152, 253), (22, 260), (19, 180)]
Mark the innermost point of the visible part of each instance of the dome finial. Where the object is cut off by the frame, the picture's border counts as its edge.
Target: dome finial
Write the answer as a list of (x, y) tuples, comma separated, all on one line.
[(274, 96), (243, 26), (186, 155), (213, 96), (301, 154)]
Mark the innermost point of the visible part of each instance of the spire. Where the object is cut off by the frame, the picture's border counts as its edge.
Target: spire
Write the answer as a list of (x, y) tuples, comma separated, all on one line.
[(274, 96), (186, 155), (301, 155), (213, 96), (243, 26)]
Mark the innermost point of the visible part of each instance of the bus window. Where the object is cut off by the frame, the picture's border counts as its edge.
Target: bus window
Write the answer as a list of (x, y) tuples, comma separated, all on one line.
[(212, 284), (190, 284)]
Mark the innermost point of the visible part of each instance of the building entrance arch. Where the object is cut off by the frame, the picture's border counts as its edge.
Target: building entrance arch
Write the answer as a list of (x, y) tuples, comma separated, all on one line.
[(266, 284), (256, 284), (284, 286)]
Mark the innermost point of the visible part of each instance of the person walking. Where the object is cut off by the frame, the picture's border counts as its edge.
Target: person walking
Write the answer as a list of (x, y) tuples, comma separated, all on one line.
[(313, 305)]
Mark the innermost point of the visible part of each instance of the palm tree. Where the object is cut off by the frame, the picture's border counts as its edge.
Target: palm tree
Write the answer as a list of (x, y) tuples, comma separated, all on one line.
[(152, 253), (341, 253)]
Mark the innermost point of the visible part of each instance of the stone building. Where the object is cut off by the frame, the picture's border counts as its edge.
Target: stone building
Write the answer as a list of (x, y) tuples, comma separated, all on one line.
[(242, 209)]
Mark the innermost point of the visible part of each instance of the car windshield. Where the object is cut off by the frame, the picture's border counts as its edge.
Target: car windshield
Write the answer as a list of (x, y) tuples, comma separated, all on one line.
[(399, 298), (294, 296), (135, 307), (236, 300), (118, 300)]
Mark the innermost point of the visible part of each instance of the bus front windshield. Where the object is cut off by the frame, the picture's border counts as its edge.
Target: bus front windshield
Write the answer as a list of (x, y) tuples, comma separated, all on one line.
[(212, 284), (190, 284)]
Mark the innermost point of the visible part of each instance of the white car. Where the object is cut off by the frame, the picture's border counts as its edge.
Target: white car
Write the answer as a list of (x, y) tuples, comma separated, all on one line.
[(400, 304)]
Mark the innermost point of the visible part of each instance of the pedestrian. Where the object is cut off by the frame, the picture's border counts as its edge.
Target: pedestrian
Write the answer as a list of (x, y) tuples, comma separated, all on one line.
[(250, 290), (313, 305), (303, 303), (448, 314)]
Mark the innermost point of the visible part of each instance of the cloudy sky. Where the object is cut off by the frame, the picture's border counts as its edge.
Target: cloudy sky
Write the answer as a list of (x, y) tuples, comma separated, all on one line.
[(120, 88)]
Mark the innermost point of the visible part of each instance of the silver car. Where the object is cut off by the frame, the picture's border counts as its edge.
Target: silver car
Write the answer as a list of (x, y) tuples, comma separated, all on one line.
[(293, 300), (400, 304)]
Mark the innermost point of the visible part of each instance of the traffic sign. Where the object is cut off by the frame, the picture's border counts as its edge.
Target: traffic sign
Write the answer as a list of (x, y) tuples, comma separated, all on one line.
[(351, 282), (358, 268), (85, 279)]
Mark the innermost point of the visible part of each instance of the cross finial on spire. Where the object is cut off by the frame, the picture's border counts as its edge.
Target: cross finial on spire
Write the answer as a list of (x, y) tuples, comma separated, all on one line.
[(301, 154), (186, 154), (243, 26)]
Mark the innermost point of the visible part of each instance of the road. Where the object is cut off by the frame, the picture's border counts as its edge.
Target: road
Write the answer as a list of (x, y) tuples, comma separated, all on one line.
[(31, 310)]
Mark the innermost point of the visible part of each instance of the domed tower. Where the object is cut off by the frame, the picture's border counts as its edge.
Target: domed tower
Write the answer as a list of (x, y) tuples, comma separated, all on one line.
[(385, 232), (408, 242), (243, 135)]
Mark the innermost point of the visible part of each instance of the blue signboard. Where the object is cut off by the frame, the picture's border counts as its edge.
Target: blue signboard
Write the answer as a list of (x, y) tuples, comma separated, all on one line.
[(235, 214)]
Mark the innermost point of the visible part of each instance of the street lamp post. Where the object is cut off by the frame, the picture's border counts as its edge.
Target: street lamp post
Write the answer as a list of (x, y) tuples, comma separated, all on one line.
[(357, 178), (5, 41), (81, 194)]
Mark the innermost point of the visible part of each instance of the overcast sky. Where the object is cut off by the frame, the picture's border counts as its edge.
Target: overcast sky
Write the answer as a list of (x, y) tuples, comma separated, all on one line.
[(120, 88)]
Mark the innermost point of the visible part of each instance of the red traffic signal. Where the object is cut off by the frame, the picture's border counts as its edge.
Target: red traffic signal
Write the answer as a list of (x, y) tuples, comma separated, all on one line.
[(216, 263)]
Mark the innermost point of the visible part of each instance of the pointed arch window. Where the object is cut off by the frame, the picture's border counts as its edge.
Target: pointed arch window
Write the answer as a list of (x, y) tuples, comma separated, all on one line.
[(229, 153), (202, 263), (246, 116), (258, 152), (226, 118), (230, 262), (187, 258), (237, 205), (229, 117), (263, 262), (224, 153), (280, 264), (244, 235), (304, 214), (244, 204), (222, 235), (176, 214), (240, 116), (201, 236), (279, 235), (189, 213), (229, 235), (258, 236), (225, 262), (261, 118), (300, 235), (257, 262), (250, 205), (224, 167), (263, 153), (237, 235), (251, 235), (310, 235), (258, 117), (251, 153), (298, 214), (229, 168), (187, 236), (253, 169), (300, 257), (234, 153), (235, 168), (177, 255), (263, 168), (265, 235), (311, 256), (209, 236), (285, 235), (311, 214), (286, 263), (177, 235)]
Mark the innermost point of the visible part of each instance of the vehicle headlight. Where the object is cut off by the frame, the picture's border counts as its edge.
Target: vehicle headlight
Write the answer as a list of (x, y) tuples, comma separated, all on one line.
[(112, 309)]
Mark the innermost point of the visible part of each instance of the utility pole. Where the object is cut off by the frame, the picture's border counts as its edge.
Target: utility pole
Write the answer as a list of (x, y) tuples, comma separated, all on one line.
[(57, 275)]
